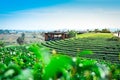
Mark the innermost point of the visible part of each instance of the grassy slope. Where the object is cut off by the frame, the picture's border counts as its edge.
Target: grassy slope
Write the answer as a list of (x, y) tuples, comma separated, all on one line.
[(95, 35), (96, 42)]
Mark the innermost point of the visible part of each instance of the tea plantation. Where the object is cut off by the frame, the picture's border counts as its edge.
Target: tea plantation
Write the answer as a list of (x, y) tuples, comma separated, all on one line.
[(80, 58), (104, 45)]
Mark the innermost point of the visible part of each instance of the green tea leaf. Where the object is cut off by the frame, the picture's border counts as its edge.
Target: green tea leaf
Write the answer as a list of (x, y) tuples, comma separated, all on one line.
[(85, 52), (41, 53), (57, 67)]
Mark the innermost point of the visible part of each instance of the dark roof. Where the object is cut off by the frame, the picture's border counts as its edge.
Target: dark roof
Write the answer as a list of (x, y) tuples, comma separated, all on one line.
[(56, 32)]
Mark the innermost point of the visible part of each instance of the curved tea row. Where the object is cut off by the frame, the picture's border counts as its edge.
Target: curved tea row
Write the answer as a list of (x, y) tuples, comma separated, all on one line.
[(103, 49)]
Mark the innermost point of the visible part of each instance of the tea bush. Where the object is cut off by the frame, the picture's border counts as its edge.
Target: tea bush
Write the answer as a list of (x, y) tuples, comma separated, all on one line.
[(35, 62), (2, 43), (115, 38)]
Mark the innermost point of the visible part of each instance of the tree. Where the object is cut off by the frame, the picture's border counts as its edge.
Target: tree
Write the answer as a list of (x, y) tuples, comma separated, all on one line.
[(72, 33), (105, 31), (97, 30), (23, 35), (20, 40), (2, 43)]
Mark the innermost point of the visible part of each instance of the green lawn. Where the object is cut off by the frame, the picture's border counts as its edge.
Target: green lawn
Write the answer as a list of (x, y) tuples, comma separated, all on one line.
[(96, 35)]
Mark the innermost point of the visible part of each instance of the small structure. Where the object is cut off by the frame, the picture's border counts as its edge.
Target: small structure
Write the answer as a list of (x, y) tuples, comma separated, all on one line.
[(55, 35), (118, 33)]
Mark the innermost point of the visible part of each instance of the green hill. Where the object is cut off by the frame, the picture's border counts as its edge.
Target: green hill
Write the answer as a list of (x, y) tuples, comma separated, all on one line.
[(98, 43), (89, 58), (95, 35)]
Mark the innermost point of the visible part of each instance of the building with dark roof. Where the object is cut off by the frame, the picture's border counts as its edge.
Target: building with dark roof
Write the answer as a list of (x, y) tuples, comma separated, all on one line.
[(55, 35)]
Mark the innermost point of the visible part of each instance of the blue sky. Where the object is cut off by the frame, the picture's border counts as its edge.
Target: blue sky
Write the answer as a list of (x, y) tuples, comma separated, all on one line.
[(59, 14), (7, 6)]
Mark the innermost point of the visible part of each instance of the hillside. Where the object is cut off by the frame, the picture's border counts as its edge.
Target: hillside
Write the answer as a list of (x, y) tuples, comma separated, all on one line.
[(99, 43), (85, 59), (31, 37), (95, 35)]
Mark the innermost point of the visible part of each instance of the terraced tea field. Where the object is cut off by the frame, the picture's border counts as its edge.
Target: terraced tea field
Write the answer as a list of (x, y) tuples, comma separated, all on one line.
[(99, 44), (35, 61)]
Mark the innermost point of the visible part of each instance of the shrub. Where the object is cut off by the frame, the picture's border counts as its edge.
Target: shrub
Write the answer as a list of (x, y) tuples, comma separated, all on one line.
[(97, 31), (20, 40), (115, 38), (102, 31), (72, 33), (2, 43), (105, 31)]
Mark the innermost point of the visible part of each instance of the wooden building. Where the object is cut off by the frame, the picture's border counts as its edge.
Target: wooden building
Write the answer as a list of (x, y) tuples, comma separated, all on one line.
[(55, 36)]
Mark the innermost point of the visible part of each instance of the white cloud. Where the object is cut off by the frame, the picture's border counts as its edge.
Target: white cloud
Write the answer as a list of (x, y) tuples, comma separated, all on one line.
[(62, 17)]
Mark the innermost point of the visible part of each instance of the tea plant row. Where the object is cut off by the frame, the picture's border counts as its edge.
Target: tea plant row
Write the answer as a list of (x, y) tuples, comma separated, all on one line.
[(35, 62)]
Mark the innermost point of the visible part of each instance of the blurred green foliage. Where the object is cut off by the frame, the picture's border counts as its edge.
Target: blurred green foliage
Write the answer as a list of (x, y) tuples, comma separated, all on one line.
[(35, 62), (2, 44)]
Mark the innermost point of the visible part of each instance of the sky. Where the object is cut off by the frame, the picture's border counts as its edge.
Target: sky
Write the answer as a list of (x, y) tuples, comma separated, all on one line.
[(59, 14)]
